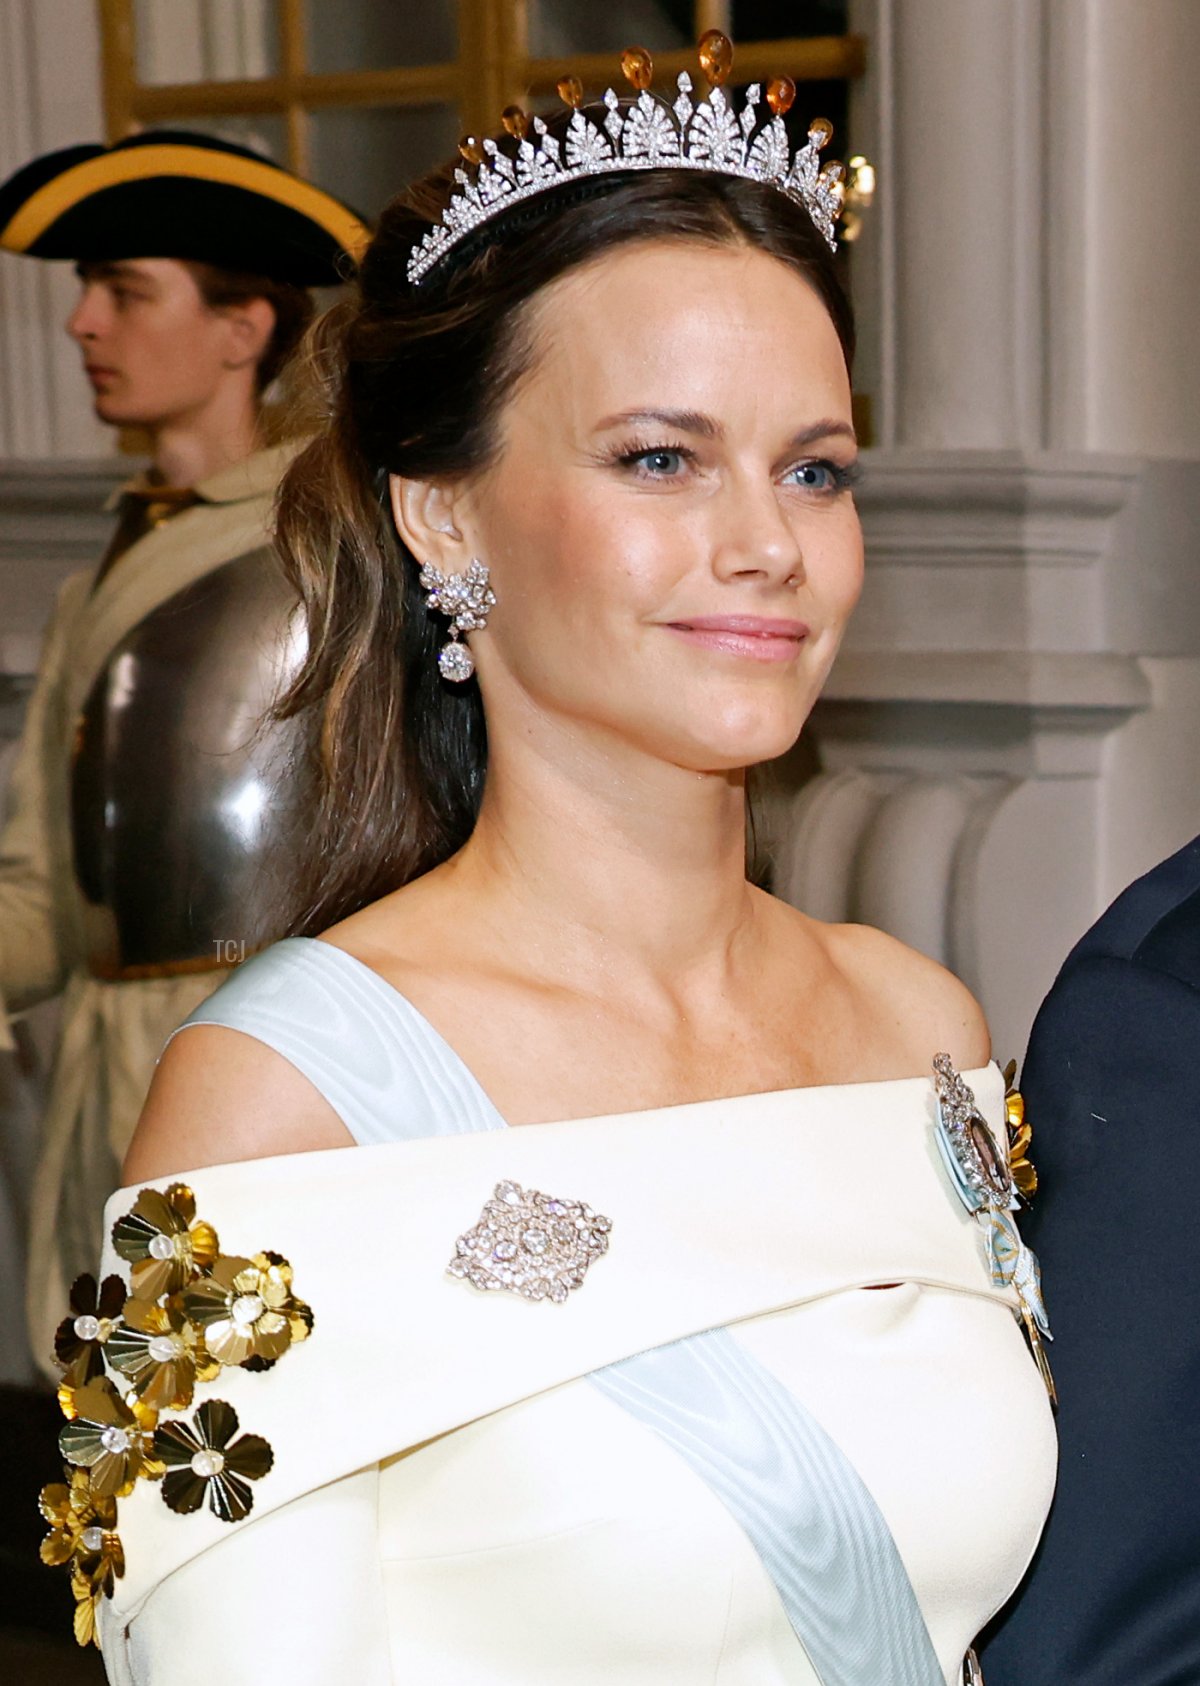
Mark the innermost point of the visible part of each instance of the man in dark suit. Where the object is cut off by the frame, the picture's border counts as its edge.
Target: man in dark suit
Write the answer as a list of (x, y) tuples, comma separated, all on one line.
[(1112, 1090)]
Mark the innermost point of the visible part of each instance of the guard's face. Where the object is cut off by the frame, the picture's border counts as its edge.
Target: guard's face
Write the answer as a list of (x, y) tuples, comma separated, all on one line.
[(670, 527), (154, 352)]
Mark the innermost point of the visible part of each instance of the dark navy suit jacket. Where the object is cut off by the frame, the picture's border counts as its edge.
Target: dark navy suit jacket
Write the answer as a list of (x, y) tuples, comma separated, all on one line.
[(1112, 1088)]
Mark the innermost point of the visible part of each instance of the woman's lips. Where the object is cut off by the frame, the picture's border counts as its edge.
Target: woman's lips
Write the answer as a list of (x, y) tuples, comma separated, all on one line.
[(744, 635)]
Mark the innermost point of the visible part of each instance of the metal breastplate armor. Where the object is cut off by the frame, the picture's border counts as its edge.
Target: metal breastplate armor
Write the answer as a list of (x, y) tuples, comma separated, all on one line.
[(181, 798)]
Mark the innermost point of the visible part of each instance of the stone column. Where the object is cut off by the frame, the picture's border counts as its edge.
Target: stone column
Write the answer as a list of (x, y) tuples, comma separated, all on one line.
[(1035, 248), (966, 225), (1123, 234)]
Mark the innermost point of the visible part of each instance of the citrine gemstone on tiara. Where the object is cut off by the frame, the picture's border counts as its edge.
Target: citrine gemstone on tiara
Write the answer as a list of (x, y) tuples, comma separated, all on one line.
[(744, 137), (716, 56), (637, 67), (570, 91), (781, 95)]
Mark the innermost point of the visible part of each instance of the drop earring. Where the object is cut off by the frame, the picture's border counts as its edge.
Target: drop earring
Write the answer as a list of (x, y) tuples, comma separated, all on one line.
[(466, 599)]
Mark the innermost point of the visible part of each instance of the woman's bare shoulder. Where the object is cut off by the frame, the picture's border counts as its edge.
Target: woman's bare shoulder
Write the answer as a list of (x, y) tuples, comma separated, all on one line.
[(220, 1095), (912, 1002), (929, 1006)]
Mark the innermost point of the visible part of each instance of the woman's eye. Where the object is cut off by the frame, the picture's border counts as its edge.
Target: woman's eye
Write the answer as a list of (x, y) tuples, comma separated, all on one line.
[(820, 476), (665, 464), (656, 462)]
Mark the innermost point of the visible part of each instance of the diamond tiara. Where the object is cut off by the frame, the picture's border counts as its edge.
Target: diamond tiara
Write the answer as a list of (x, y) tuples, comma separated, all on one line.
[(645, 134)]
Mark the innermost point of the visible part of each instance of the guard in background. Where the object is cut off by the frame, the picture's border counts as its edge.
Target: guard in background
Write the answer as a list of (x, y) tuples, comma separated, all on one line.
[(147, 795)]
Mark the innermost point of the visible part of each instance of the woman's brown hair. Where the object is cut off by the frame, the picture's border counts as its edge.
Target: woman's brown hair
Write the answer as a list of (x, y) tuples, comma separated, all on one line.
[(410, 381)]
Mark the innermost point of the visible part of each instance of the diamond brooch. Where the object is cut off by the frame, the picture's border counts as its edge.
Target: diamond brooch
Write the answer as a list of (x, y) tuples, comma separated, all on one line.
[(980, 1174), (531, 1244), (984, 1183)]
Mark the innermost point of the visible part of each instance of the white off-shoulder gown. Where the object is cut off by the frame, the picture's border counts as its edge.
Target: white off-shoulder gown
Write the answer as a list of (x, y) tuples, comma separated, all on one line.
[(454, 1503)]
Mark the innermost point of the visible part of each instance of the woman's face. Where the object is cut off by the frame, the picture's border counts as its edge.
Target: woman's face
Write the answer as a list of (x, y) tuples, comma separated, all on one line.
[(669, 524)]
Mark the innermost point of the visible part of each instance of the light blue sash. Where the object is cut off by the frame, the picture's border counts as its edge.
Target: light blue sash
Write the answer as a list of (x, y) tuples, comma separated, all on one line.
[(816, 1527), (820, 1534)]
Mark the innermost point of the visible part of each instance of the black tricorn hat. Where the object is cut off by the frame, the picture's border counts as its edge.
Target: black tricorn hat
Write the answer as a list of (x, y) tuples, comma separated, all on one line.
[(168, 193)]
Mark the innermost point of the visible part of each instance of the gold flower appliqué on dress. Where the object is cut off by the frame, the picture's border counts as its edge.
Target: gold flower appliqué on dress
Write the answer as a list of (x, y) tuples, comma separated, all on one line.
[(128, 1357)]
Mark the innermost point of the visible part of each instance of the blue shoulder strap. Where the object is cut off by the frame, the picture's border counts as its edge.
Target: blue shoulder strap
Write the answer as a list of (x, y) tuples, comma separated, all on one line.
[(806, 1510), (382, 1067)]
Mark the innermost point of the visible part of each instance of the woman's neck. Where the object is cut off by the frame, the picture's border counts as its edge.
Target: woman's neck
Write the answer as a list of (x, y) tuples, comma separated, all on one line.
[(609, 859)]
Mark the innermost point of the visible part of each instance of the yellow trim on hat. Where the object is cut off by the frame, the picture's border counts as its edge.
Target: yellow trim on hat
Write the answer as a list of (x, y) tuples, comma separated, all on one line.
[(199, 163)]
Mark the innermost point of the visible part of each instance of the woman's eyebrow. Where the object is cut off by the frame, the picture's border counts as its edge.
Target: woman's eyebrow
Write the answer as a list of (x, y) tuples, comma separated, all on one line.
[(684, 421), (705, 427), (827, 429)]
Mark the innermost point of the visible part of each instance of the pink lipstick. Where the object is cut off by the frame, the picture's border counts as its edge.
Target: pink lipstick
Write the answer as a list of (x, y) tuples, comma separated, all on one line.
[(753, 636)]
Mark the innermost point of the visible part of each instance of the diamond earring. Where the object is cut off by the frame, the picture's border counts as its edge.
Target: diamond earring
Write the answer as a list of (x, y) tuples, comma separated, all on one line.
[(466, 599)]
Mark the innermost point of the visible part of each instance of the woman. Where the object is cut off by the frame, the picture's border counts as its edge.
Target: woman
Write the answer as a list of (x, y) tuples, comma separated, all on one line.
[(596, 422)]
